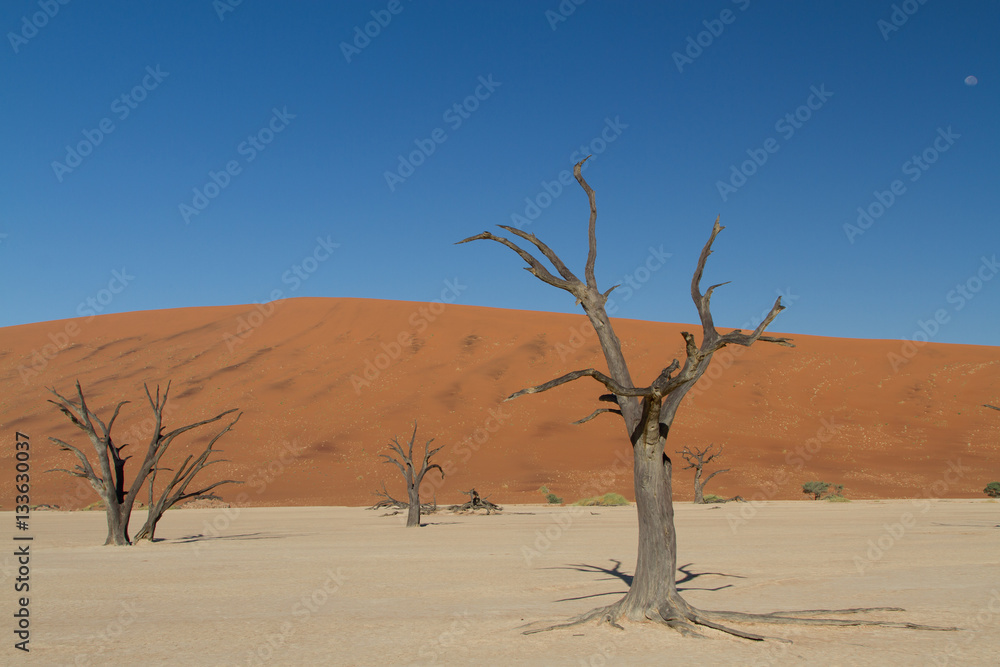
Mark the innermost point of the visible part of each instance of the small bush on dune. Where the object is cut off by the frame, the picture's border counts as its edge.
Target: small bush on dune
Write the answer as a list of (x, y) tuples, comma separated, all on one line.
[(551, 497), (837, 498), (817, 489), (607, 500), (992, 490)]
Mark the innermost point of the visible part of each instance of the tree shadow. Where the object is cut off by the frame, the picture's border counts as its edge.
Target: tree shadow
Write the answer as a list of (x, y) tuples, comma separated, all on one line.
[(187, 539), (617, 573)]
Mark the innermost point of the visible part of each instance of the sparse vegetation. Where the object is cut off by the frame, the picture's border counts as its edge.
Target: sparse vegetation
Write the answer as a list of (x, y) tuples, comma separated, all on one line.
[(817, 489), (992, 490), (552, 498), (712, 498), (607, 500)]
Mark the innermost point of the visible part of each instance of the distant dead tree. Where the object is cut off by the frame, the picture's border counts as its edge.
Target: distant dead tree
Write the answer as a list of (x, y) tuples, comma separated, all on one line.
[(476, 503), (108, 478), (648, 413), (697, 459), (987, 405), (414, 475)]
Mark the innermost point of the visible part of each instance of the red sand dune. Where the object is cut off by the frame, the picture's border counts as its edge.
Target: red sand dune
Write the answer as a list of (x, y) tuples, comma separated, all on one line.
[(325, 384)]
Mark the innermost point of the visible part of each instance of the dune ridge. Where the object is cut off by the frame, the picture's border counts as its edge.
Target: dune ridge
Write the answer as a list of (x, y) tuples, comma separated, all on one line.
[(325, 383)]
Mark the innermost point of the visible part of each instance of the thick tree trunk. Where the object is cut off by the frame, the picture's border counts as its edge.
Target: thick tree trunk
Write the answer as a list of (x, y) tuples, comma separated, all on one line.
[(413, 511), (117, 525), (699, 491), (653, 593)]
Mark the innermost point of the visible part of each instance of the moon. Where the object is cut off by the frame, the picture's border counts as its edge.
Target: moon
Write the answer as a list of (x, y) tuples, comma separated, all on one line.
[(971, 80)]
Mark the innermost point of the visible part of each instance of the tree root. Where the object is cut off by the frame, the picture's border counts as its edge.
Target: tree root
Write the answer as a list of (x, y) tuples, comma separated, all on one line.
[(686, 620), (802, 618), (602, 614)]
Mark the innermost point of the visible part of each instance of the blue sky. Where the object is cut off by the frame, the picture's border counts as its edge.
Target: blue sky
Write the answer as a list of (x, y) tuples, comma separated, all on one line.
[(204, 150)]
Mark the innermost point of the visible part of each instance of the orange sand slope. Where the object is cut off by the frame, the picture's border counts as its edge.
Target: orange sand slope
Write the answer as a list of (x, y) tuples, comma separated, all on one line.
[(326, 383)]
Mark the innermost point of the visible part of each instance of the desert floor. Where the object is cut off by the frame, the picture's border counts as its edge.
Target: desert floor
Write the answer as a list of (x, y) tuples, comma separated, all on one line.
[(348, 586)]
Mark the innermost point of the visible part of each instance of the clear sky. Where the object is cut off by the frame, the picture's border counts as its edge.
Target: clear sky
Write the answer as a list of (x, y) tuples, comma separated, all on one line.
[(194, 153)]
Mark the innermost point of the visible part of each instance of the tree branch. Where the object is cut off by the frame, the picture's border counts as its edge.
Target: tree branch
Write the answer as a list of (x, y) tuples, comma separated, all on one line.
[(535, 267), (591, 228), (85, 467), (547, 252), (608, 382), (709, 478), (595, 413)]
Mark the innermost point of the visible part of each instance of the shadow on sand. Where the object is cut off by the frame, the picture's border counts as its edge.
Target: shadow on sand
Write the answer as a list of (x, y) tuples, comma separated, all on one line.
[(201, 537), (617, 573)]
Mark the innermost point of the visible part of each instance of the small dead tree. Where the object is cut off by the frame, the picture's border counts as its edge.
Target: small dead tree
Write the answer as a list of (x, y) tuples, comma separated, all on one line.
[(697, 459), (987, 405), (414, 475), (476, 503), (648, 413), (176, 489), (108, 478)]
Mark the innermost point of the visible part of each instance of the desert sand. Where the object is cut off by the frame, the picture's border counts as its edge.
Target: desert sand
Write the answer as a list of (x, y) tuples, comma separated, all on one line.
[(326, 383), (348, 586)]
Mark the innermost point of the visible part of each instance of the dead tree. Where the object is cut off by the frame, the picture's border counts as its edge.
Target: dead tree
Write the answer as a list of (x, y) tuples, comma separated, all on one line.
[(176, 489), (413, 475), (648, 412), (108, 479), (987, 405), (697, 458), (476, 503)]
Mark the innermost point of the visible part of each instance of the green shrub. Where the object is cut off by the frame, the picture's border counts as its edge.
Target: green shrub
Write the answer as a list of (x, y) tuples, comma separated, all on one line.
[(816, 489), (992, 490), (837, 498), (551, 497), (712, 498), (608, 499)]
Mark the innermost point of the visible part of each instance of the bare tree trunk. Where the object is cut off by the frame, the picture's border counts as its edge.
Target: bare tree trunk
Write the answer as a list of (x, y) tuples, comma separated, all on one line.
[(699, 492), (117, 524), (653, 587), (413, 493)]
